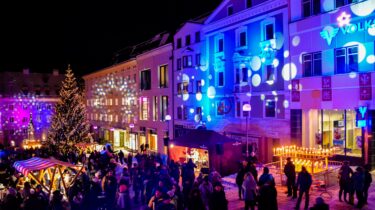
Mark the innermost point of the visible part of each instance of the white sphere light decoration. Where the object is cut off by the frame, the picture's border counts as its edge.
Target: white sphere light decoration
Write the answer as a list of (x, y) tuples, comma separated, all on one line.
[(198, 96), (371, 31), (209, 118), (275, 62), (211, 92), (185, 96), (295, 41), (370, 59), (210, 77), (286, 104), (286, 53), (191, 110), (197, 118), (363, 9), (279, 40), (256, 80), (202, 82), (255, 63), (262, 97), (289, 71)]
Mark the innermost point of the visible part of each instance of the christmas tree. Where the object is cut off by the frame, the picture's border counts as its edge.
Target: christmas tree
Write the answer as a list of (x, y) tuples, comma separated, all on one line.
[(69, 125)]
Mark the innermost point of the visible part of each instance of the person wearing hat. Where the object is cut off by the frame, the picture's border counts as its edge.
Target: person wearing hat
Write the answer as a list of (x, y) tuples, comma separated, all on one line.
[(290, 173)]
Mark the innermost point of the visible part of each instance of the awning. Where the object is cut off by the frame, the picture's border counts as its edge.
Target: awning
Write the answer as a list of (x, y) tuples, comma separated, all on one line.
[(37, 163), (201, 139)]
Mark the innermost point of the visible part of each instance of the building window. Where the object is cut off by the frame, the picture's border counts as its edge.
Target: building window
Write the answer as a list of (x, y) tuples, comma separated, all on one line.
[(187, 40), (197, 36), (230, 10), (179, 43), (269, 31), (179, 112), (182, 113), (310, 7), (238, 109), (185, 87), (146, 80), (179, 88), (244, 74), (340, 3), (199, 86), (144, 108), (312, 64), (179, 64), (270, 108), (221, 45), (155, 109), (346, 59), (164, 107), (249, 3), (187, 61), (220, 79), (163, 76), (198, 112), (242, 39), (270, 73), (198, 59)]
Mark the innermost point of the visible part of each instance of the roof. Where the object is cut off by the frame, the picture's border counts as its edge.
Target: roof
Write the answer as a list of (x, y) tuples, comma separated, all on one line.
[(201, 138), (37, 163)]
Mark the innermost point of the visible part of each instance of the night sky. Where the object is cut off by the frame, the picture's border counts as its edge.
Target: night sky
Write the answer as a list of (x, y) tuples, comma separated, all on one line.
[(86, 34)]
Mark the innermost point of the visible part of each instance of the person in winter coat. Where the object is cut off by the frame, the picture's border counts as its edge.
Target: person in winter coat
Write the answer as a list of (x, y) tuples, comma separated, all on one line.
[(206, 191), (123, 198), (218, 201), (195, 201), (290, 173), (239, 180), (368, 180), (359, 185), (304, 182), (249, 189), (266, 177), (267, 196), (320, 204), (345, 173)]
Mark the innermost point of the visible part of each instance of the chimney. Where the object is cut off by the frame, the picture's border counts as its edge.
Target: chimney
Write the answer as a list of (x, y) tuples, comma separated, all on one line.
[(55, 72), (26, 71)]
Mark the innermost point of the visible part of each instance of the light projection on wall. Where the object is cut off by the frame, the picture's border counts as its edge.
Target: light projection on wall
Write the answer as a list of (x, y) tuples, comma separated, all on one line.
[(211, 92), (286, 104), (255, 63), (111, 87), (191, 110), (198, 96), (256, 80), (343, 19), (295, 41), (370, 59), (286, 53), (289, 71), (363, 9), (279, 40)]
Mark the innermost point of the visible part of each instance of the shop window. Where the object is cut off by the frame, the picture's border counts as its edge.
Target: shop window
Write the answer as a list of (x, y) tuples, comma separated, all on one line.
[(312, 64), (197, 36), (346, 60), (310, 7), (163, 107), (187, 61), (144, 108), (220, 79), (198, 59), (179, 64), (187, 40), (163, 76), (270, 108), (179, 43), (146, 80)]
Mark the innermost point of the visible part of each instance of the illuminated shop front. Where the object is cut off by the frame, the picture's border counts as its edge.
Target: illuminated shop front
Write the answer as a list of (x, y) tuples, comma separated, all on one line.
[(119, 137), (153, 140), (182, 155)]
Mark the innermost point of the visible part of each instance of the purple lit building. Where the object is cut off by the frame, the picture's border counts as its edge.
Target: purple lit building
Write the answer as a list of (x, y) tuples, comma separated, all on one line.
[(22, 93), (332, 65)]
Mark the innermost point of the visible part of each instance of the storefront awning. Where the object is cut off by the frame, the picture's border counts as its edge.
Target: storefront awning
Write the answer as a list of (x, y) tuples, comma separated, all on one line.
[(201, 139), (36, 164)]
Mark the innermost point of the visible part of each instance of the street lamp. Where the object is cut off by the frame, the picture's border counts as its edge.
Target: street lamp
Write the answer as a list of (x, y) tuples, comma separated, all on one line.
[(131, 126), (167, 118), (247, 109)]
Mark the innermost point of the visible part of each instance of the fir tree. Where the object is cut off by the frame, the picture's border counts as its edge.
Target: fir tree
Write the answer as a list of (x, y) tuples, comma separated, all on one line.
[(69, 125)]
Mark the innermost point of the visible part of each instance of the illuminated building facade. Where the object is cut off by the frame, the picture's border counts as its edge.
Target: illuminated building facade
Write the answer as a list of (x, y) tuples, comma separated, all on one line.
[(332, 92), (22, 94), (111, 101)]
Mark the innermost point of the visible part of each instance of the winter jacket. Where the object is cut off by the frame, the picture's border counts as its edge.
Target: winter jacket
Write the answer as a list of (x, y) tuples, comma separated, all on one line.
[(304, 181), (249, 187)]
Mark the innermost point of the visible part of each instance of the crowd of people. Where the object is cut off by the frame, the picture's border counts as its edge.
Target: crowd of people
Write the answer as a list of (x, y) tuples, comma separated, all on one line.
[(113, 180)]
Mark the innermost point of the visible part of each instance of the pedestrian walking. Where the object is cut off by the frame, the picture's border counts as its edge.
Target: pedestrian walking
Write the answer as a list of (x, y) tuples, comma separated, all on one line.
[(290, 173), (240, 179), (345, 174), (249, 188), (304, 182), (368, 180), (359, 185), (267, 196)]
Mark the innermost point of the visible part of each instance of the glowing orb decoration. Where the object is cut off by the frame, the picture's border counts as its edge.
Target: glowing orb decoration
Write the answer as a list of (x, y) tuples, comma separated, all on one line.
[(275, 62), (209, 118), (286, 104), (300, 57), (197, 118), (286, 53), (211, 92), (263, 60), (248, 94), (255, 80), (289, 86), (202, 113), (262, 97), (371, 31), (185, 96), (255, 63), (364, 8), (274, 93), (192, 77), (352, 75), (276, 98), (185, 78), (279, 40), (361, 50), (249, 73), (198, 96), (278, 111), (370, 59), (178, 78), (289, 71), (191, 110), (210, 77), (343, 19), (202, 82), (203, 68), (295, 41), (270, 82)]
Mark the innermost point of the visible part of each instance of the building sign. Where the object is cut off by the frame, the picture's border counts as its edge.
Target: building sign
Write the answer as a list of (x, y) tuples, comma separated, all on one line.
[(361, 117), (345, 27)]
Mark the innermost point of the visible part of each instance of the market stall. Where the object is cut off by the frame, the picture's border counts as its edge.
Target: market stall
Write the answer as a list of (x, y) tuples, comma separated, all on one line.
[(50, 173)]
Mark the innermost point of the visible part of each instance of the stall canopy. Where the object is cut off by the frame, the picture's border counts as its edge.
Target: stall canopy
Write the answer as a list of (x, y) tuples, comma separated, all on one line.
[(37, 164), (201, 139)]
